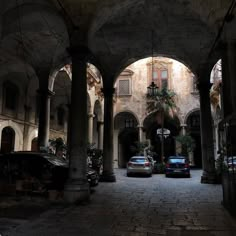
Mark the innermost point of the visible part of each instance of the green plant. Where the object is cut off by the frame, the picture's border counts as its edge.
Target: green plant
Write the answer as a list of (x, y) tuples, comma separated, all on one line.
[(138, 147), (58, 147), (221, 167), (159, 168), (187, 142)]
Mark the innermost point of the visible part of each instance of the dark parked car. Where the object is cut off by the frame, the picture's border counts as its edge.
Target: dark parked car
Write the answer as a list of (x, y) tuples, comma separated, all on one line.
[(39, 172), (177, 165)]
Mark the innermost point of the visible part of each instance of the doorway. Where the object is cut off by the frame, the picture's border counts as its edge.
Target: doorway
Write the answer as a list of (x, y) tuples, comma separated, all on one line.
[(8, 140)]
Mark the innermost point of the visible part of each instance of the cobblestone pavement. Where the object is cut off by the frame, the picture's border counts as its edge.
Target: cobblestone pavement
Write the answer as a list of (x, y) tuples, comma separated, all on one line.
[(138, 206)]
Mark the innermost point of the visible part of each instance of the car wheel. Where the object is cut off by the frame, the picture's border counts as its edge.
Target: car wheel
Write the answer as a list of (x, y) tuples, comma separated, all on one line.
[(128, 175), (167, 175)]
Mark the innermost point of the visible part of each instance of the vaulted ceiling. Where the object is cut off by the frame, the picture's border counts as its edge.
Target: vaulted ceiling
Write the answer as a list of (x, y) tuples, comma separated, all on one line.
[(38, 32)]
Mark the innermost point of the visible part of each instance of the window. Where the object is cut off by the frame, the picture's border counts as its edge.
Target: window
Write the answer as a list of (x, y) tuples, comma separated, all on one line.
[(124, 83), (129, 123), (159, 74), (124, 87), (164, 79), (11, 94)]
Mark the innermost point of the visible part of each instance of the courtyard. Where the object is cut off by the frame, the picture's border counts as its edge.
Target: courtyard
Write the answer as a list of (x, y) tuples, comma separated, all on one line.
[(132, 206)]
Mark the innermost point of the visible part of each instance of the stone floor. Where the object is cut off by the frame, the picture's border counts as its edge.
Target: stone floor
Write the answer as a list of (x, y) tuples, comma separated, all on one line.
[(135, 206)]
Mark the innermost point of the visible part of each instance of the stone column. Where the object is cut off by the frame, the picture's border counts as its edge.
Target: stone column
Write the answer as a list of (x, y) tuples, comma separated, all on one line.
[(183, 129), (140, 133), (26, 127), (68, 128), (90, 128), (44, 117), (108, 168), (77, 187), (226, 91), (207, 145), (228, 78), (100, 134)]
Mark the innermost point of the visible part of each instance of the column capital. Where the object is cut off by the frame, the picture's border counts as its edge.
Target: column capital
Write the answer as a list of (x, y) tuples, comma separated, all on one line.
[(108, 92), (91, 115), (45, 92), (79, 53), (204, 85), (43, 73)]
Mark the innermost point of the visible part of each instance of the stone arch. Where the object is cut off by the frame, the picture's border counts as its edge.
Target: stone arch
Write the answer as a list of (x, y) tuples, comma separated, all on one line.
[(127, 111), (151, 124), (189, 113), (18, 133), (32, 135), (193, 129), (126, 136)]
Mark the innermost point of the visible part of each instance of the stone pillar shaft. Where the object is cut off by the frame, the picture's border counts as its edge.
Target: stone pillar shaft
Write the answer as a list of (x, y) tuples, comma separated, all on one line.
[(140, 129), (44, 117), (183, 129), (228, 78), (77, 188), (108, 171), (208, 160), (226, 93), (100, 134), (90, 128)]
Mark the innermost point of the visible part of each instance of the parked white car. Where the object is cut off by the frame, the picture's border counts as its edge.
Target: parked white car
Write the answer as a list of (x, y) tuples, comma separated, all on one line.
[(139, 165)]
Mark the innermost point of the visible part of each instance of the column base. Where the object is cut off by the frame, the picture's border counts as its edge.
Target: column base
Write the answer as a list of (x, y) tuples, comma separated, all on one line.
[(76, 191), (107, 177), (208, 178)]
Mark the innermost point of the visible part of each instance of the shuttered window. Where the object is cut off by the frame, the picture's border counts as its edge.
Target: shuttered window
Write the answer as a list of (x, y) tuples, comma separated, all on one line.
[(124, 87)]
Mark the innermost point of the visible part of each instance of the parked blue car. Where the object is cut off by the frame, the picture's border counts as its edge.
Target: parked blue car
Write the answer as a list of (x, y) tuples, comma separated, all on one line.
[(177, 166)]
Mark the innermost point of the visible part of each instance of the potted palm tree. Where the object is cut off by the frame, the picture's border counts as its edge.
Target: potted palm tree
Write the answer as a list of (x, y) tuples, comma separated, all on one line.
[(162, 102)]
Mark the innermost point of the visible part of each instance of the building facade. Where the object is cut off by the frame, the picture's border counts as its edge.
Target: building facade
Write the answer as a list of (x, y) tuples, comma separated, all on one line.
[(133, 123)]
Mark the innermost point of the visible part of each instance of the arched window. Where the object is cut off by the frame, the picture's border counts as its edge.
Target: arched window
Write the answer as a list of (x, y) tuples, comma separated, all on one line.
[(10, 96)]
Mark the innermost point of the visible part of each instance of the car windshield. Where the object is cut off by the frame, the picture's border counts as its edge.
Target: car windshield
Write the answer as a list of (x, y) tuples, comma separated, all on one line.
[(176, 160), (138, 159)]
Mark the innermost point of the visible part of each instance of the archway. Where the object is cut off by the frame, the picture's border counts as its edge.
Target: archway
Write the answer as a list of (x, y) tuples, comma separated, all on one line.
[(8, 140), (125, 126), (193, 129), (152, 124), (34, 144)]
